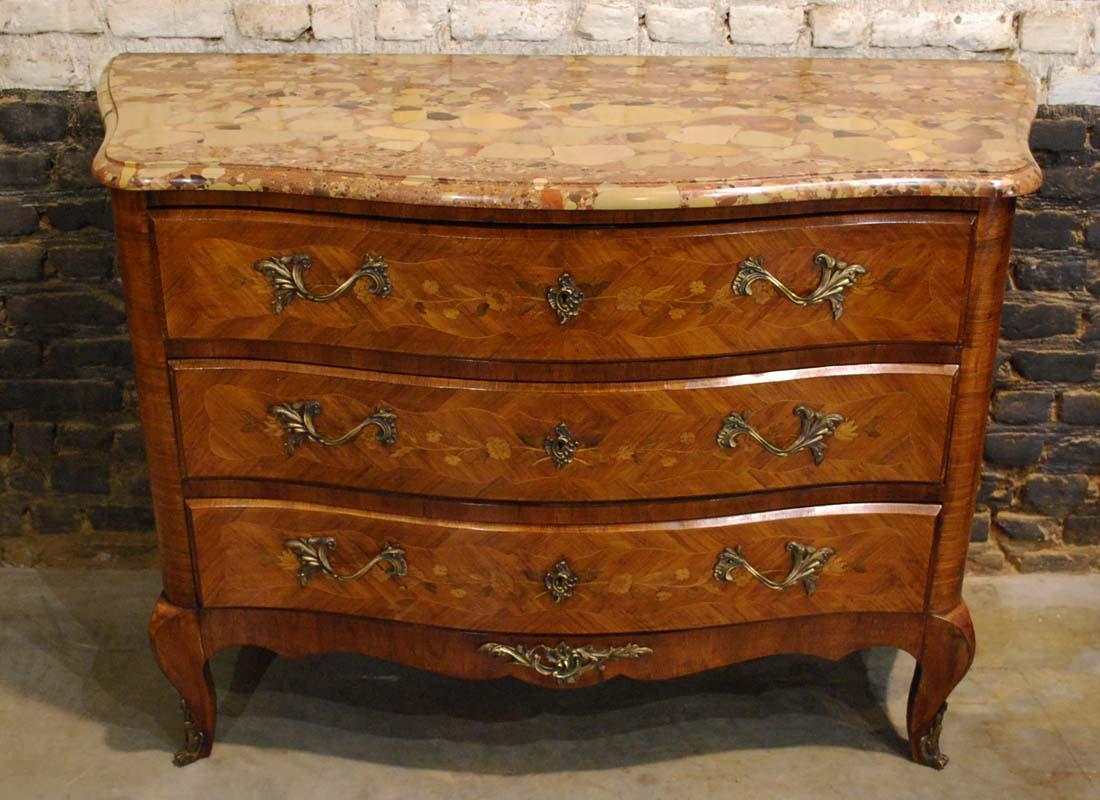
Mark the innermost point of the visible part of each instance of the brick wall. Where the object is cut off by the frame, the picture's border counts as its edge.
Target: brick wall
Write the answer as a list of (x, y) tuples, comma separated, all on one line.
[(72, 474)]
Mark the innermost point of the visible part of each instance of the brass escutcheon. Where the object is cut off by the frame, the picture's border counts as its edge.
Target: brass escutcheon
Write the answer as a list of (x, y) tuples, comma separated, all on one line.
[(560, 445), (565, 299), (836, 277), (288, 279), (561, 581)]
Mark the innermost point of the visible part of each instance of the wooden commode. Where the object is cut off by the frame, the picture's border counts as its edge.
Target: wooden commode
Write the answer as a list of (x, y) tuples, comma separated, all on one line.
[(563, 368)]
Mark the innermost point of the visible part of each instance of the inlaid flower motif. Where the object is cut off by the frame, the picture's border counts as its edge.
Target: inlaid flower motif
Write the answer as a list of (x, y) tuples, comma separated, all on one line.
[(450, 313), (630, 299), (431, 287), (687, 437), (454, 461), (697, 287), (498, 448), (433, 436), (676, 313), (624, 453), (669, 461), (497, 301)]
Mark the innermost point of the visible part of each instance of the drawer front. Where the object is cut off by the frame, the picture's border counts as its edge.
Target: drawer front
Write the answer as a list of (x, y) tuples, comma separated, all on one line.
[(482, 292), (575, 442), (269, 554)]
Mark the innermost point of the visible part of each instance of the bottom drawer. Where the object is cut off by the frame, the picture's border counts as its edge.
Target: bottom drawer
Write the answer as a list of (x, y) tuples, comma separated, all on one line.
[(563, 579)]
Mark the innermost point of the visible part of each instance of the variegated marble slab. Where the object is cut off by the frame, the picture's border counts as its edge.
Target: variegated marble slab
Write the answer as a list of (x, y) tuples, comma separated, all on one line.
[(566, 132)]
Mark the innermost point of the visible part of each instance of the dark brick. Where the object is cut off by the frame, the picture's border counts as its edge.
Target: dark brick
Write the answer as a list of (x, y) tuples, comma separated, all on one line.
[(24, 169), (33, 439), (979, 528), (131, 443), (11, 516), (139, 485), (67, 354), (80, 475), (1082, 530), (1037, 320), (51, 398), (1050, 230), (1056, 495), (1092, 233), (73, 168), (1017, 407), (71, 308), (1013, 449), (1075, 452), (28, 477), (54, 517), (122, 518), (72, 215), (995, 491), (1071, 183), (1081, 407), (1059, 135), (1055, 365), (5, 438), (1092, 331), (1026, 527), (1053, 274), (84, 438), (17, 219), (33, 122), (89, 123), (81, 262), (16, 354), (21, 261)]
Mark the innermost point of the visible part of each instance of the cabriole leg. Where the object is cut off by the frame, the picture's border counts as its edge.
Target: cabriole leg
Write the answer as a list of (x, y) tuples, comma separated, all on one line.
[(177, 643), (946, 655)]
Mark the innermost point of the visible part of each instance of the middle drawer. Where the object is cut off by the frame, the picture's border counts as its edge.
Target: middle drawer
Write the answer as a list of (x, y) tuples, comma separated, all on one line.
[(564, 442)]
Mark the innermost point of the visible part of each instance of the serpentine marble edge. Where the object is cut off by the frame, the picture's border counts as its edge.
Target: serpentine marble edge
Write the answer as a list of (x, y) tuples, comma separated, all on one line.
[(566, 132)]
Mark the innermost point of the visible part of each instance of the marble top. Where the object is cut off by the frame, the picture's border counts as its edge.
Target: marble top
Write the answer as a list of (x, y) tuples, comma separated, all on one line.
[(566, 132)]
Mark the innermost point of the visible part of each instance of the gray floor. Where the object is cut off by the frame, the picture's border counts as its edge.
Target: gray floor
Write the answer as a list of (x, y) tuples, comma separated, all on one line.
[(86, 714)]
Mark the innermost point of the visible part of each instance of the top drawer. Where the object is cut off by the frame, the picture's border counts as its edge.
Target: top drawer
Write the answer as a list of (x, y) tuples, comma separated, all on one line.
[(481, 292)]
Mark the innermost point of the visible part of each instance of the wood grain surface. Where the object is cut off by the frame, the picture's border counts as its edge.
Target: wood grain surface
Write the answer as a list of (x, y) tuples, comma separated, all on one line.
[(480, 291), (631, 577), (635, 441)]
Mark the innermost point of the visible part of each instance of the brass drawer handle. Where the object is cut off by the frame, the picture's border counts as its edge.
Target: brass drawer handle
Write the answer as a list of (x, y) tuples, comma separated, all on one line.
[(815, 427), (560, 445), (288, 279), (564, 663), (565, 299), (313, 556), (299, 420), (836, 276), (806, 567), (561, 581)]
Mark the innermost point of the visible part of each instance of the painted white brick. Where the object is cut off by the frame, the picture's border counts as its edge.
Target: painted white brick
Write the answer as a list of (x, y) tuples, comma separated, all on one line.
[(1052, 33), (410, 20), (978, 31), (180, 19), (759, 24), (41, 62), (1074, 86), (284, 20), (512, 20), (332, 20), (838, 26), (608, 21), (666, 23), (47, 16)]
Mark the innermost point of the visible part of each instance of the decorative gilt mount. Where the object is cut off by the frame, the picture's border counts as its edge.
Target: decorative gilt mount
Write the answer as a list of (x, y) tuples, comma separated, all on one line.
[(313, 557), (299, 420), (815, 427), (564, 663), (288, 279), (806, 567), (565, 299), (194, 740), (930, 753), (836, 277)]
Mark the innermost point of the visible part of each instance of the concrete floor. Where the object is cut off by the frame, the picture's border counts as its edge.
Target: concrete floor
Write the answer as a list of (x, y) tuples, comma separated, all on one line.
[(85, 713)]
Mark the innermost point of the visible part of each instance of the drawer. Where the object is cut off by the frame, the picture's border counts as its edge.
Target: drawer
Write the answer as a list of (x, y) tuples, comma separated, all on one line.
[(481, 292), (667, 576), (563, 442)]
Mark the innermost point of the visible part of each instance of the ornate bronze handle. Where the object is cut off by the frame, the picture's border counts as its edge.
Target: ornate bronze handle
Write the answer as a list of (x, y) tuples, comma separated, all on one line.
[(808, 562), (565, 299), (560, 445), (288, 279), (836, 276), (561, 581), (562, 662), (313, 556), (300, 423), (815, 427)]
